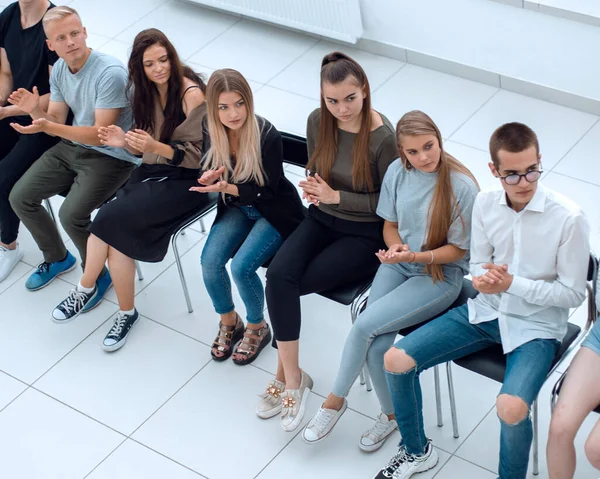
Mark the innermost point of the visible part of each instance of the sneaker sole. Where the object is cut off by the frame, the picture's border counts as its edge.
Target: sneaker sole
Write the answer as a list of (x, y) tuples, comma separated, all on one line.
[(12, 269), (270, 413), (296, 422), (120, 344), (68, 320), (53, 278), (342, 411), (378, 445)]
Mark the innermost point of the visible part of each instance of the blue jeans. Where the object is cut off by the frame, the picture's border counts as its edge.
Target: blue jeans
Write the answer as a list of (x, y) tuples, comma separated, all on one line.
[(401, 296), (241, 232), (449, 337)]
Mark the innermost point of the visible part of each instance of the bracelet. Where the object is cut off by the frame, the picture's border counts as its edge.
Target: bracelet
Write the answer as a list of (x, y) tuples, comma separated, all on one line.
[(413, 258), (431, 262)]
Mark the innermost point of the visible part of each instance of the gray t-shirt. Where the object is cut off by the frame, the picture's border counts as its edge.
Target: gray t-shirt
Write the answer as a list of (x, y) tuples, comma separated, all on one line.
[(405, 198), (100, 84)]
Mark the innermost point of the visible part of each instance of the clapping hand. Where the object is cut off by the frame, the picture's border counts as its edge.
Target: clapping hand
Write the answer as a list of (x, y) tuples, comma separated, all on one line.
[(496, 280), (141, 141), (25, 100), (397, 253), (209, 180), (112, 136), (37, 126), (315, 190)]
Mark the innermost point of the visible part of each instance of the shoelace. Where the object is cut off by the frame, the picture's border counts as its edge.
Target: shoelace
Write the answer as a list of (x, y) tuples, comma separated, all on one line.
[(321, 420), (117, 327), (377, 429), (43, 268), (75, 301), (395, 462)]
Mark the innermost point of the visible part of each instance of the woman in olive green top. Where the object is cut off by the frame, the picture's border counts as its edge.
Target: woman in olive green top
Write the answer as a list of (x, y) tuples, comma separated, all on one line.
[(350, 147)]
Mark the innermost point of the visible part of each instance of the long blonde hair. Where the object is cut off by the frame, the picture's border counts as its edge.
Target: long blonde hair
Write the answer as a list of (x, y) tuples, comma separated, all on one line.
[(248, 162), (443, 202), (335, 68)]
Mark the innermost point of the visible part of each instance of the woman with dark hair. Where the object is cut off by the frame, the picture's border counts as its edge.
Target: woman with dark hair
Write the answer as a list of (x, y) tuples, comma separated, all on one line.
[(168, 106), (350, 147)]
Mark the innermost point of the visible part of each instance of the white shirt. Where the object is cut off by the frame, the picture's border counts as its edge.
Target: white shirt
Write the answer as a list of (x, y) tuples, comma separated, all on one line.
[(546, 247)]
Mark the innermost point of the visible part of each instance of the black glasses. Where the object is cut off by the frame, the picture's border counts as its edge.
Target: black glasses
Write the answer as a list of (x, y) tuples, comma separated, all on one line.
[(514, 179)]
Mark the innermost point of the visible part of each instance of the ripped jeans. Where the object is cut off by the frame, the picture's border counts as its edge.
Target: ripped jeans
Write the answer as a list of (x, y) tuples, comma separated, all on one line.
[(450, 337)]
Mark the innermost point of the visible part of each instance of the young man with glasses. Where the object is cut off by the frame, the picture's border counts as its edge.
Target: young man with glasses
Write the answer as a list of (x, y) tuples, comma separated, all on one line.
[(529, 258)]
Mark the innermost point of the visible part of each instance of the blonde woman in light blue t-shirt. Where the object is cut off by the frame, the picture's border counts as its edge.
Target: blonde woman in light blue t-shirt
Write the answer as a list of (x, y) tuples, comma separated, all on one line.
[(426, 201)]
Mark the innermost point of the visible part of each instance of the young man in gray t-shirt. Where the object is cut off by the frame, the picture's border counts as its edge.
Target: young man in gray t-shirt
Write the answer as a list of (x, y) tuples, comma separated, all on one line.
[(92, 85)]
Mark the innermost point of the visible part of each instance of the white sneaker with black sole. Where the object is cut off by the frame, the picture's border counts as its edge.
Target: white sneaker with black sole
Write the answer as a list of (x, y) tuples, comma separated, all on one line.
[(404, 465), (374, 437), (117, 336), (72, 306), (322, 423)]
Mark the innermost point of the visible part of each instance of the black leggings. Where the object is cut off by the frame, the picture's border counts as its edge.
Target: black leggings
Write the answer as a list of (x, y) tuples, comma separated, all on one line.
[(323, 253), (17, 153)]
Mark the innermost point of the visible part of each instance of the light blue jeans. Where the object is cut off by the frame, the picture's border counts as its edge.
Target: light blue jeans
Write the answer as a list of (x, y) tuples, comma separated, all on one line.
[(402, 295), (449, 337), (243, 231)]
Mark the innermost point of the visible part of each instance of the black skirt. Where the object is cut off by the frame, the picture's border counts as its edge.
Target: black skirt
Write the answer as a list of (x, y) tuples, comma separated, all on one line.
[(141, 219)]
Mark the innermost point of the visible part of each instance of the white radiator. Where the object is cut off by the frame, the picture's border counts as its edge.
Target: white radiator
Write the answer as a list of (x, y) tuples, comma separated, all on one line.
[(339, 19)]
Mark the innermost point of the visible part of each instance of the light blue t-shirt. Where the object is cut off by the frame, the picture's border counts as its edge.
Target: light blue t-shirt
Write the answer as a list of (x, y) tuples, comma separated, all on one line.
[(100, 84), (405, 198)]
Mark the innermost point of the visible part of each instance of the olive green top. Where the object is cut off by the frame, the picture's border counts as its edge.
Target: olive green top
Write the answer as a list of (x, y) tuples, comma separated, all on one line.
[(355, 205)]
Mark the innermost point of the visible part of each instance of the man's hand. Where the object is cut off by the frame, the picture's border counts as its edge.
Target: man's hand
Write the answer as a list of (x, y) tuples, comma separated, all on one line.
[(25, 100), (496, 280), (37, 126)]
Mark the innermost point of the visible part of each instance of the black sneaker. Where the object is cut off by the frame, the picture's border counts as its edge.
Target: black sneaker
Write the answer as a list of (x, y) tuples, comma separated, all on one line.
[(403, 465), (117, 336), (72, 305)]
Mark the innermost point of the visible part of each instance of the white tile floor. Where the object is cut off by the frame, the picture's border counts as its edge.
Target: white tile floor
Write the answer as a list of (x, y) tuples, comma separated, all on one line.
[(159, 408)]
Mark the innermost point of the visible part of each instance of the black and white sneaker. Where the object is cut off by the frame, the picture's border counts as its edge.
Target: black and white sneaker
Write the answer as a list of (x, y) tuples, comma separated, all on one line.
[(403, 465), (72, 305), (117, 336)]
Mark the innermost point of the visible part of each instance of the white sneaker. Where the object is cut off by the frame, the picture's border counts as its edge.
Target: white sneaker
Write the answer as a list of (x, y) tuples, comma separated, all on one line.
[(322, 424), (8, 260), (403, 465), (270, 401), (374, 437), (293, 402)]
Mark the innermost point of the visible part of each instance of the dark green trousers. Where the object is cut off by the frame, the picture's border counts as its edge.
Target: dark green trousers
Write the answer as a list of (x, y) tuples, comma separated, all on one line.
[(87, 177)]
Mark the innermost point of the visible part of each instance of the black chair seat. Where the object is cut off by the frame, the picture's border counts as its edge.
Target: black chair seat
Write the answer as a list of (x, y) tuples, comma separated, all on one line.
[(491, 362), (467, 291), (345, 294)]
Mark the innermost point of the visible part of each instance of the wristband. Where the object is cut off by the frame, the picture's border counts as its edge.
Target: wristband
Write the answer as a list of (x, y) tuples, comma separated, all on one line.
[(431, 262)]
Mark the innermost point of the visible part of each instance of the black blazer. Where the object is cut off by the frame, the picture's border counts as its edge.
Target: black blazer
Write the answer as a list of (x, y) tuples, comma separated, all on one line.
[(277, 200)]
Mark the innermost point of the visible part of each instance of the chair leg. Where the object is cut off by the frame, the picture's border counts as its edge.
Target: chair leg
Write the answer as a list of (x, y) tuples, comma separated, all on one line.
[(365, 378), (534, 412), (50, 210), (438, 399), (202, 227), (138, 268), (181, 275), (452, 400)]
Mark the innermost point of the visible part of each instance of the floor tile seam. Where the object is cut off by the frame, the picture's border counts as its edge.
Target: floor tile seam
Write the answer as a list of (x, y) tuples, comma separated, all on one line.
[(10, 285), (176, 330), (60, 401), (294, 436), (316, 42), (71, 350), (15, 398), (167, 457), (213, 40), (573, 178), (391, 76), (455, 453), (103, 460), (292, 92), (475, 112), (468, 146), (137, 19), (130, 436), (574, 145)]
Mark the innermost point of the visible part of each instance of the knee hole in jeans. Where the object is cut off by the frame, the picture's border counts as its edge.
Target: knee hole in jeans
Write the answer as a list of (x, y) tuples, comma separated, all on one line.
[(511, 409), (397, 361)]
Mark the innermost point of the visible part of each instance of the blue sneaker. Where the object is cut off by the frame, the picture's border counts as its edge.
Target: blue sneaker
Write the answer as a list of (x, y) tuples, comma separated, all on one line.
[(46, 272), (103, 284)]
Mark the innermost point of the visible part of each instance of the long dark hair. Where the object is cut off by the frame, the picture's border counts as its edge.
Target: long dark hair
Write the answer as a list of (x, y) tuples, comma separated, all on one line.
[(335, 68), (139, 86)]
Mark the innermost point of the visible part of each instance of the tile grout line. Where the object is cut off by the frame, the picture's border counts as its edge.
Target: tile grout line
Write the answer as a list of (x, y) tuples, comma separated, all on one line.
[(390, 77), (293, 61), (573, 178), (576, 143), (449, 137), (214, 39)]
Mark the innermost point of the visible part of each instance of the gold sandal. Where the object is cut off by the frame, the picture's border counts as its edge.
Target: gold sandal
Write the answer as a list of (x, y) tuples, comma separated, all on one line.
[(253, 342), (226, 339)]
